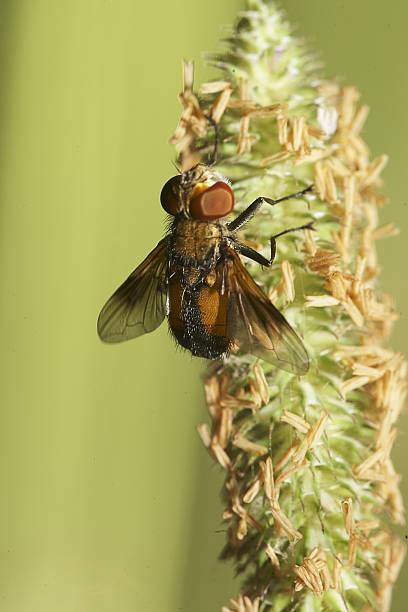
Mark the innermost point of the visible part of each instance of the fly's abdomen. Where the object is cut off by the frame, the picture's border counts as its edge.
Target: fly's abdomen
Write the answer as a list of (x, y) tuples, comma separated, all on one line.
[(198, 318)]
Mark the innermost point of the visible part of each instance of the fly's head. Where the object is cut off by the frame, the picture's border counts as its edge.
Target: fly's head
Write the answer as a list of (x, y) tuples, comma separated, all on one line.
[(199, 193)]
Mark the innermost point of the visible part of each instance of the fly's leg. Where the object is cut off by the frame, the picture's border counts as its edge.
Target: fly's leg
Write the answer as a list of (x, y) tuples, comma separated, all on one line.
[(309, 225), (253, 208), (213, 157), (245, 250)]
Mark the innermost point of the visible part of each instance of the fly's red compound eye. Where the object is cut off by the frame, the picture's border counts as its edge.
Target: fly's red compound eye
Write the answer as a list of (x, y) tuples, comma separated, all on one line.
[(169, 197), (212, 203)]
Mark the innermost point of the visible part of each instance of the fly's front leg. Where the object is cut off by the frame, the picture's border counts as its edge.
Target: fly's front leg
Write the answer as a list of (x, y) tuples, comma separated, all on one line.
[(253, 208), (245, 250)]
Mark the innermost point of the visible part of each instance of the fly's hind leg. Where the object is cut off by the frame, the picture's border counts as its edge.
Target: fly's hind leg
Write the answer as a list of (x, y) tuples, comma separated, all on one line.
[(245, 250), (253, 208)]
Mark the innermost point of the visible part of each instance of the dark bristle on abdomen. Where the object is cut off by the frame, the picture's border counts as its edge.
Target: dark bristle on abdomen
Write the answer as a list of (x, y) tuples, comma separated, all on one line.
[(191, 333), (201, 344)]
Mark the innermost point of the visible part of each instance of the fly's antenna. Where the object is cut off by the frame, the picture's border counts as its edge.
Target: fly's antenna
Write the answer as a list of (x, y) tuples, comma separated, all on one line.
[(213, 157)]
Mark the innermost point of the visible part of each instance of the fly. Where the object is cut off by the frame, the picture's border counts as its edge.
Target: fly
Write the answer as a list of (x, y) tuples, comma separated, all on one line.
[(195, 277)]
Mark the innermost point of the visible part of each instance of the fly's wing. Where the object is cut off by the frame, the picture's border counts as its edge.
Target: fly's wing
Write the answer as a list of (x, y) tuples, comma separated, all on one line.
[(139, 305), (256, 325)]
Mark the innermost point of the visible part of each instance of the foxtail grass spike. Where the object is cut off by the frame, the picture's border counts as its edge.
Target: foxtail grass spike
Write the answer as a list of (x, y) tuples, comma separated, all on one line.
[(311, 494)]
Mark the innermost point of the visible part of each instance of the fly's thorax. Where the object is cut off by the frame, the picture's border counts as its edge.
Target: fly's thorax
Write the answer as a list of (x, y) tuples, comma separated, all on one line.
[(196, 242), (191, 276)]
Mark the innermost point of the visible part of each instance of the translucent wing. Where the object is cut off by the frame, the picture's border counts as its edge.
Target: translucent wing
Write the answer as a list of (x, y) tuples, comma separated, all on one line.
[(256, 325), (139, 305)]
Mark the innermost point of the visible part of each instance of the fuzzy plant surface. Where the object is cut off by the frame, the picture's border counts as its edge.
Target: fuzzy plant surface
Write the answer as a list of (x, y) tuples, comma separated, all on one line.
[(311, 494)]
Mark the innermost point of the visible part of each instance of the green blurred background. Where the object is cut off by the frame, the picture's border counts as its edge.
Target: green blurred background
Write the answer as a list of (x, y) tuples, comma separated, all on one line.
[(108, 500)]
